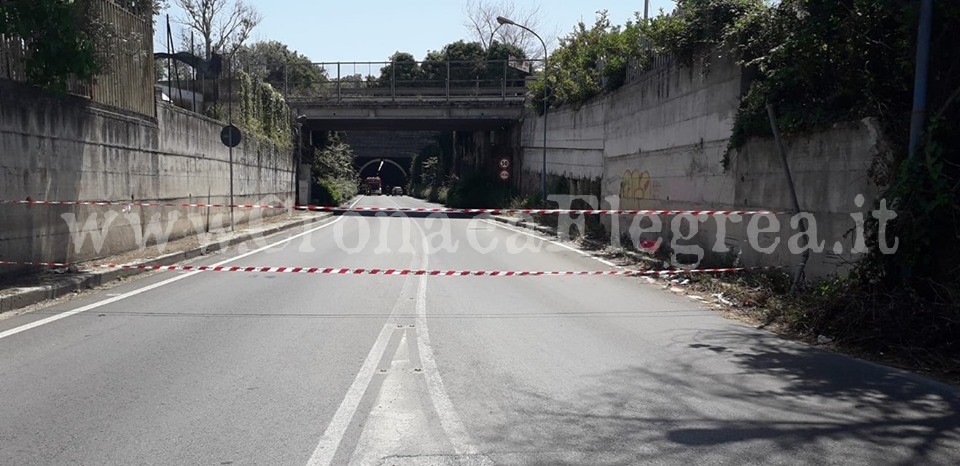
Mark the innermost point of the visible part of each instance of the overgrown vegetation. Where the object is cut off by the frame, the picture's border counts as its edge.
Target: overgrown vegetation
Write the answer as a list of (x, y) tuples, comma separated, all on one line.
[(589, 61), (286, 70), (479, 190), (820, 63), (260, 111), (471, 65), (336, 180), (64, 40)]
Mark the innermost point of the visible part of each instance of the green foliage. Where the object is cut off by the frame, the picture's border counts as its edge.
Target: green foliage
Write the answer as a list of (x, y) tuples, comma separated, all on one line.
[(824, 62), (262, 112), (592, 60), (403, 70), (819, 63), (334, 192), (700, 26), (63, 39), (589, 61), (530, 201), (478, 190), (426, 170), (334, 160), (274, 63), (333, 171), (470, 65)]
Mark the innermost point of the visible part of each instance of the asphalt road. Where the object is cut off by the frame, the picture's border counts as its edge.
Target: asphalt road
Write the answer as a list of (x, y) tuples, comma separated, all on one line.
[(236, 368)]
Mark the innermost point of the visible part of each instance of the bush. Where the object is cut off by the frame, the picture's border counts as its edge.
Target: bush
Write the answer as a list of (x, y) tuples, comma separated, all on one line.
[(588, 62), (478, 190), (334, 192)]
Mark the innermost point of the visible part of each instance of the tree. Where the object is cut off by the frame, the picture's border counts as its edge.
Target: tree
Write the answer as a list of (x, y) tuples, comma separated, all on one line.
[(335, 160), (68, 39), (406, 74), (471, 64), (274, 63), (482, 24), (223, 25)]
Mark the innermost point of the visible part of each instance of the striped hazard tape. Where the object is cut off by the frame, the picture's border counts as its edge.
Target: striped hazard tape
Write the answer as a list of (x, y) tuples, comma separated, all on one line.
[(439, 210), (139, 204), (401, 272)]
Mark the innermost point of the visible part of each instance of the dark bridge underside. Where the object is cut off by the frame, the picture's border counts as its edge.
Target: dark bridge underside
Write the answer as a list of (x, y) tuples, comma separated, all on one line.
[(409, 124), (412, 115)]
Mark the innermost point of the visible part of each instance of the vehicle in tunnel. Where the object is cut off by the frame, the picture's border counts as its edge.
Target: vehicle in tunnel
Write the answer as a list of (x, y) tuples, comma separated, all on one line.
[(372, 185)]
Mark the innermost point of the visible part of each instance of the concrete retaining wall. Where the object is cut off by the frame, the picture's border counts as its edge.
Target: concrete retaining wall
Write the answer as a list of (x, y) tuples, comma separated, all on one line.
[(64, 148), (659, 143)]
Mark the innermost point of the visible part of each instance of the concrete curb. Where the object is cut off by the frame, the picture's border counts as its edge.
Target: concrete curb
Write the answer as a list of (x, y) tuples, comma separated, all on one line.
[(525, 224), (640, 258), (81, 281)]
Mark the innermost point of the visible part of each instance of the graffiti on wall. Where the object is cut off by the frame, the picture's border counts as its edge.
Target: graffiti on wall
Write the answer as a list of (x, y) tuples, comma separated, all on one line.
[(636, 185)]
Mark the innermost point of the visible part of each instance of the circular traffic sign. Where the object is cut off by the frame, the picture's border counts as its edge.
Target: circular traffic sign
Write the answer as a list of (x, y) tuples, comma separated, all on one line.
[(504, 162), (230, 136), (504, 175)]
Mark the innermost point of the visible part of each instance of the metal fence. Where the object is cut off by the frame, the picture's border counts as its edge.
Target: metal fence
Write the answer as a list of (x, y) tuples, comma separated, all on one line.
[(127, 79), (496, 80)]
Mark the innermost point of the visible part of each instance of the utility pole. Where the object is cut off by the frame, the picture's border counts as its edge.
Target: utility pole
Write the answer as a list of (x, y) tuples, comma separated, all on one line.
[(546, 104)]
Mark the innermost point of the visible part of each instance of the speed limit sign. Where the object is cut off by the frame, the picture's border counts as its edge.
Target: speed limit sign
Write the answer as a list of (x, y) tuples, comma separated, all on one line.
[(504, 162)]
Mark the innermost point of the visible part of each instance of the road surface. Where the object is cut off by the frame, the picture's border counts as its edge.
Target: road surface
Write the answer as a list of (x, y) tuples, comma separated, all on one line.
[(238, 368)]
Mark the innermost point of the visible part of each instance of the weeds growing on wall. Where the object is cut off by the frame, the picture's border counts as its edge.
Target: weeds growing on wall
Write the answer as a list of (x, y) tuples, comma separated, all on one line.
[(262, 111), (595, 59), (819, 63)]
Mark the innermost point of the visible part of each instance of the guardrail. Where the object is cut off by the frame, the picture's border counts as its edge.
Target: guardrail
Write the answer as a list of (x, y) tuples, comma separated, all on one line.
[(494, 80)]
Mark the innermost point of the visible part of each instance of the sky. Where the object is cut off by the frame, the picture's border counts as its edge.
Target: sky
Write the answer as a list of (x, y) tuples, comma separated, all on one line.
[(372, 30)]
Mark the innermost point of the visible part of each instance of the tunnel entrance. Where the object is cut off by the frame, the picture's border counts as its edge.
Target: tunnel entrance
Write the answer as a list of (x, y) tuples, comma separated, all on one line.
[(390, 172)]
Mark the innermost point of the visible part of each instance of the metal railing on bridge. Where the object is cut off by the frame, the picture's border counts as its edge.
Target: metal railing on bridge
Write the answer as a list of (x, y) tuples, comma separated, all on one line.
[(408, 81)]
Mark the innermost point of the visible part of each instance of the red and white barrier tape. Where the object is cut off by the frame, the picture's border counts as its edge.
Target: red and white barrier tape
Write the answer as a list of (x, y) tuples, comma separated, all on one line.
[(438, 210), (141, 204), (541, 211), (35, 264), (437, 273)]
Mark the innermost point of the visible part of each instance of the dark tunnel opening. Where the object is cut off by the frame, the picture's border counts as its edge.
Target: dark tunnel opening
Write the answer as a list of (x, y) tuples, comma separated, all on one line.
[(390, 175)]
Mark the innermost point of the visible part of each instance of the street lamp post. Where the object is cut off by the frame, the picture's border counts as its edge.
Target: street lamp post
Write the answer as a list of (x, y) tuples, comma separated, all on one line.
[(546, 104), (301, 119)]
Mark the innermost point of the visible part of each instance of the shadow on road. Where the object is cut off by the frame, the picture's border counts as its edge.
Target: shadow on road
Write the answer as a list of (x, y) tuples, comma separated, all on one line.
[(745, 397)]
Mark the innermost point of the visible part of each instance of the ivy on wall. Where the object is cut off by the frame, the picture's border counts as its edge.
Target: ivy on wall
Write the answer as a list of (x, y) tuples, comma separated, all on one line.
[(262, 112)]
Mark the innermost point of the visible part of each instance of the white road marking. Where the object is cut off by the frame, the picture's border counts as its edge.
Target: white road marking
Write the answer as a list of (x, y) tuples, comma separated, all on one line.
[(557, 243), (327, 447), (449, 419), (63, 315), (333, 435)]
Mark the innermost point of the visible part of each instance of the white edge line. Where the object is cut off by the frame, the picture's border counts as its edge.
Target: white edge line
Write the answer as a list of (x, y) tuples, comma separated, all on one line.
[(557, 243), (333, 435), (65, 314), (450, 420), (329, 443)]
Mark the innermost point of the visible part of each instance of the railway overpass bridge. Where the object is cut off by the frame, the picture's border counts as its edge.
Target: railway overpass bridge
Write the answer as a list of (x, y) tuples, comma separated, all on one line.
[(414, 96), (380, 113)]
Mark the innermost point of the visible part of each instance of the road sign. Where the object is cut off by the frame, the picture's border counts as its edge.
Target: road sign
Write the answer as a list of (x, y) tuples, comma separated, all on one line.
[(230, 136), (520, 64), (504, 175), (504, 162)]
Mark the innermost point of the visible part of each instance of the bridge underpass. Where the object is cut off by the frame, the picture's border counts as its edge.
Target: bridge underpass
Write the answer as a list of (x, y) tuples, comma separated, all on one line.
[(392, 118), (391, 172)]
